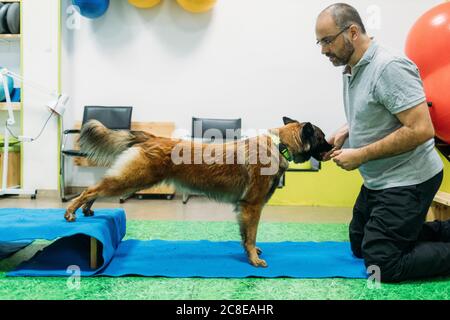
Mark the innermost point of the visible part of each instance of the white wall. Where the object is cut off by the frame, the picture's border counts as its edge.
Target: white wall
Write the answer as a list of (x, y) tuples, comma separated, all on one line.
[(254, 59), (40, 65)]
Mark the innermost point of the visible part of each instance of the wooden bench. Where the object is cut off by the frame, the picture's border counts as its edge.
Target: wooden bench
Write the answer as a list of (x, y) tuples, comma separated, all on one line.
[(440, 208)]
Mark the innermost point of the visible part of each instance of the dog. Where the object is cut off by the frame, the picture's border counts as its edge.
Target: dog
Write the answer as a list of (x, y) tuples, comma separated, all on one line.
[(245, 173)]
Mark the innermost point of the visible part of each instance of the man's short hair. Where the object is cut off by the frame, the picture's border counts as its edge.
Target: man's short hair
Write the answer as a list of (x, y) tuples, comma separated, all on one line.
[(345, 15)]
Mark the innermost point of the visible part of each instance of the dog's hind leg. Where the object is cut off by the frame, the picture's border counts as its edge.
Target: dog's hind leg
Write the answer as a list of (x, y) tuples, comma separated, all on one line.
[(132, 171), (108, 187), (248, 222)]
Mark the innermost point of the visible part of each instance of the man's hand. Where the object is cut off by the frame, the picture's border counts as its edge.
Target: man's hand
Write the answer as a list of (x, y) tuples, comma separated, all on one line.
[(337, 141), (326, 156), (349, 159)]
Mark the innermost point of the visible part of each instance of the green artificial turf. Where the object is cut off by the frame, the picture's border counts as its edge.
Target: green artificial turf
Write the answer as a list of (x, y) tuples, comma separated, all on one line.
[(216, 289)]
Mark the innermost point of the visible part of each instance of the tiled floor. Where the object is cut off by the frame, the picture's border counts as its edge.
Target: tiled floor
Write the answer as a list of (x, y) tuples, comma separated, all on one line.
[(197, 209)]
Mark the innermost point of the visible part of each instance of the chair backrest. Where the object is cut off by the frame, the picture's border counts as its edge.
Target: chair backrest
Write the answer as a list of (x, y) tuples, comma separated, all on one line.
[(117, 118), (216, 130)]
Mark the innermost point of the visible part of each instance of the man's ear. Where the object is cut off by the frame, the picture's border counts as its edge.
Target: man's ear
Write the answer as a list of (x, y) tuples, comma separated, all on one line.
[(287, 120), (307, 130)]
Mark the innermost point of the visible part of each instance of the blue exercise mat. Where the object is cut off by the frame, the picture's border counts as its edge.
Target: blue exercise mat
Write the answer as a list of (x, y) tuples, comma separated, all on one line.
[(206, 259), (203, 258)]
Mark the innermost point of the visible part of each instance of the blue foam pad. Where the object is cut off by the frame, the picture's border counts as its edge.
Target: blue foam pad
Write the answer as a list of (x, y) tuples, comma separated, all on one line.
[(203, 258), (15, 97), (107, 226)]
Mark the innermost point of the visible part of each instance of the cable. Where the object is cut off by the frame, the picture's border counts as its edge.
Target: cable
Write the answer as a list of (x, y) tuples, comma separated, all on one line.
[(12, 134), (45, 124), (59, 103), (37, 137)]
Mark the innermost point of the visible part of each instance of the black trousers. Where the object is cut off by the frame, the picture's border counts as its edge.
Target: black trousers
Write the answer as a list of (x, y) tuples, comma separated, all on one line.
[(388, 230)]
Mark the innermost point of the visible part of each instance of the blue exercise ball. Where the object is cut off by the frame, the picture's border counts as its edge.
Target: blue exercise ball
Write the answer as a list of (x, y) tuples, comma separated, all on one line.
[(91, 8), (10, 88)]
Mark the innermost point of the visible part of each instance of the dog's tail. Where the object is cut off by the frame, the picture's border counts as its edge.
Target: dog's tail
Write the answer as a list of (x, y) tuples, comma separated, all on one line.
[(103, 145)]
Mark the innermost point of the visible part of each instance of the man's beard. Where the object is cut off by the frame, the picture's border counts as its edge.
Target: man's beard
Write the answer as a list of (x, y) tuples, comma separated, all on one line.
[(344, 58)]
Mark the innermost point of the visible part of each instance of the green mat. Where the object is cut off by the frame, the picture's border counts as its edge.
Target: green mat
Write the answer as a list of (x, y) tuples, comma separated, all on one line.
[(215, 289)]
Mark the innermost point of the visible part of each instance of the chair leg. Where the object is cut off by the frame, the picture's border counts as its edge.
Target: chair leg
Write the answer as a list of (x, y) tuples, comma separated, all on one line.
[(126, 197), (62, 192), (62, 182), (70, 197), (185, 198)]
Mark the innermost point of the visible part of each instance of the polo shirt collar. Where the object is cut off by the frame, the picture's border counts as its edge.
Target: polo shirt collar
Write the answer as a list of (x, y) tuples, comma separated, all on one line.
[(366, 58)]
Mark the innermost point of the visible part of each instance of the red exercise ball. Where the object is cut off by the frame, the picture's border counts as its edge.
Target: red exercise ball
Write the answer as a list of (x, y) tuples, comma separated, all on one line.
[(428, 42), (437, 88)]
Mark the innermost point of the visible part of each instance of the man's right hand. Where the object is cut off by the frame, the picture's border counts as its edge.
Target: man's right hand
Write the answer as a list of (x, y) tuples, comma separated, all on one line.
[(337, 141)]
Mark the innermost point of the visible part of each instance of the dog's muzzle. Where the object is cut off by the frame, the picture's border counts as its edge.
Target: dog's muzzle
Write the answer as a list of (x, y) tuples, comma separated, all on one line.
[(317, 153)]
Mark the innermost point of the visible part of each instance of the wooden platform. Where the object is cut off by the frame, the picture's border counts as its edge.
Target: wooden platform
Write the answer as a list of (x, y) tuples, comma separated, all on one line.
[(440, 208), (94, 256), (13, 179)]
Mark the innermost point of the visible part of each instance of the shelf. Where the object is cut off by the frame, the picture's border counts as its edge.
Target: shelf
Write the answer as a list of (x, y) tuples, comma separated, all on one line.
[(10, 36), (16, 106)]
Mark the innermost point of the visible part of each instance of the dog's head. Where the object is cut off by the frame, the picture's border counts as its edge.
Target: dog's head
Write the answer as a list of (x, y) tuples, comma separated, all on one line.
[(308, 141)]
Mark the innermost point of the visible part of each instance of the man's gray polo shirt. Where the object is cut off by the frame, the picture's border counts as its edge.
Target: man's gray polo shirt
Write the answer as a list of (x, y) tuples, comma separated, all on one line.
[(381, 85)]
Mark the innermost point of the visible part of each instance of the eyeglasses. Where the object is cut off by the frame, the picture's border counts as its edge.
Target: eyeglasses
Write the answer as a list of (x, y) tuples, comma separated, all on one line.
[(326, 41)]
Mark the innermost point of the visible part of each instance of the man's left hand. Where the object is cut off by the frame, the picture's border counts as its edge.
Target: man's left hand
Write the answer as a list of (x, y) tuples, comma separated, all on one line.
[(348, 159)]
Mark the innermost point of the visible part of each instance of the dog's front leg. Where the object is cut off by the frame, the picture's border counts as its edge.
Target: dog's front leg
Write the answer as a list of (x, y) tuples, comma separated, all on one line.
[(87, 208), (249, 220)]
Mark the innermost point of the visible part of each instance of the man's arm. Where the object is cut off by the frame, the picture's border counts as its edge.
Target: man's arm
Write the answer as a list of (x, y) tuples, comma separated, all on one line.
[(417, 128)]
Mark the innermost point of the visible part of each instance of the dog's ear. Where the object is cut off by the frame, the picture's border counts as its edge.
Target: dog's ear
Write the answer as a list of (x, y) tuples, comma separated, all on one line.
[(307, 131), (287, 120)]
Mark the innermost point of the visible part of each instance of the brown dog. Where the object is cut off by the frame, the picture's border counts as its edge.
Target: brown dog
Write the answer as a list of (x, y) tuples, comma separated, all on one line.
[(244, 173)]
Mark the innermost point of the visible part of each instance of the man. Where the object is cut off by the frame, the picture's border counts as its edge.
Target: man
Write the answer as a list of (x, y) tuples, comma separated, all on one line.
[(391, 143)]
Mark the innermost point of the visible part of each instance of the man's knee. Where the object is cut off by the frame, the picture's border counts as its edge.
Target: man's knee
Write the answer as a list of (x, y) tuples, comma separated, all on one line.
[(356, 239), (356, 249), (389, 274)]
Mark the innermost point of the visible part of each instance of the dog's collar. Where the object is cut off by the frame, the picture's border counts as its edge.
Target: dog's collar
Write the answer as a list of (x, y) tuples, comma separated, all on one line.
[(282, 148)]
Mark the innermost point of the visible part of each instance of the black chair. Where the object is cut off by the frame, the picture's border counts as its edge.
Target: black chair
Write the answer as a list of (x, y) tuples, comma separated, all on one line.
[(216, 130), (209, 130), (117, 118)]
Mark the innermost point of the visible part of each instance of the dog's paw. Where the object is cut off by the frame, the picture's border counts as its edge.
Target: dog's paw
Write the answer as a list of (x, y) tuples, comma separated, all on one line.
[(70, 217), (258, 263), (88, 212)]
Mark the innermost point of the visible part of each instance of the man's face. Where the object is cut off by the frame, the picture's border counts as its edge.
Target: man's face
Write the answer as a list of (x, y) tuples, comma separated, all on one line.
[(338, 49)]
